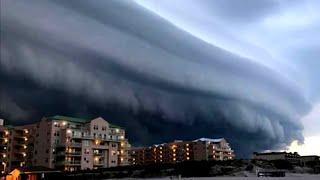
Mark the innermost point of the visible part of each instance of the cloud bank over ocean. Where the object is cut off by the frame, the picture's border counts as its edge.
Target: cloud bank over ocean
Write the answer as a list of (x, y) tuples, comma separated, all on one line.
[(120, 60)]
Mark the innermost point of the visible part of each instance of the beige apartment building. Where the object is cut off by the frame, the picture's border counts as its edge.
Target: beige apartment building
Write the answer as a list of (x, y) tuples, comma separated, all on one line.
[(71, 144), (180, 151)]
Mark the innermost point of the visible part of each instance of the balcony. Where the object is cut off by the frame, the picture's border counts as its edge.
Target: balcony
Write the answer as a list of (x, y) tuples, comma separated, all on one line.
[(100, 146), (69, 144), (69, 163), (98, 163), (74, 144), (98, 154), (91, 137), (73, 163), (63, 153), (76, 153)]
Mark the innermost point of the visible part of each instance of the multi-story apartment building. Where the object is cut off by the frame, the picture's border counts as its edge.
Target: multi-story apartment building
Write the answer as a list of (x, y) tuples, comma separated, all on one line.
[(291, 157), (4, 134), (179, 151), (70, 144), (13, 147)]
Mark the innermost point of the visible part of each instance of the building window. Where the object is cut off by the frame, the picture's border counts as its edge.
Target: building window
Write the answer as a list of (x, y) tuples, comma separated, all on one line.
[(95, 127), (86, 151), (86, 143)]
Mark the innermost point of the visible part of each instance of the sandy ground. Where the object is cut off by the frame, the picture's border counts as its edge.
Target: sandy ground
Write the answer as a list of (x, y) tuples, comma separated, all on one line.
[(288, 177)]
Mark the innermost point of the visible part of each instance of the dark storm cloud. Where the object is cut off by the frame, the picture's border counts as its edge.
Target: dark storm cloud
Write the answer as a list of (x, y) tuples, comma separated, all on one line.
[(126, 63)]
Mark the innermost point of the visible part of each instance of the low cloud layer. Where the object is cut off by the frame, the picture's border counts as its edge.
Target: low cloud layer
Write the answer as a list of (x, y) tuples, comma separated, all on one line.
[(120, 60)]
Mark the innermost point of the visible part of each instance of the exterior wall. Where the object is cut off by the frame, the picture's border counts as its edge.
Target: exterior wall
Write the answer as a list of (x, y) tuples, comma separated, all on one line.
[(17, 149), (65, 143), (43, 138), (305, 159), (92, 145), (13, 147), (180, 151), (200, 151), (292, 157), (4, 140)]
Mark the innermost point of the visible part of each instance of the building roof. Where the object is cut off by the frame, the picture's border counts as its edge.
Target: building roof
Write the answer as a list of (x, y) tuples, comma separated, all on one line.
[(78, 120), (209, 140), (9, 126), (115, 126), (310, 156), (70, 119), (271, 153)]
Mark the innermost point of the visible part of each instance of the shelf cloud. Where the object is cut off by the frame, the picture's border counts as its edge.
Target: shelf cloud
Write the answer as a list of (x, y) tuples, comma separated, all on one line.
[(120, 60)]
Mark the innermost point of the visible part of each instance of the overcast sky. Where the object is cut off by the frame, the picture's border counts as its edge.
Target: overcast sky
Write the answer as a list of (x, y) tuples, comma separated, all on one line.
[(244, 70)]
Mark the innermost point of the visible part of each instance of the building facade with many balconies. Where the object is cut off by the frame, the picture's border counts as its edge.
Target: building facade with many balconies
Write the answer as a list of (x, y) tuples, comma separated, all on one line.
[(13, 147), (180, 151), (66, 143)]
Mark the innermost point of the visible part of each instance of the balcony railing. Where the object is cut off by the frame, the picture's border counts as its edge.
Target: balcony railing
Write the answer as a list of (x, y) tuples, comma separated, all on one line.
[(69, 163), (73, 153), (73, 144), (98, 154), (63, 153), (90, 137)]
